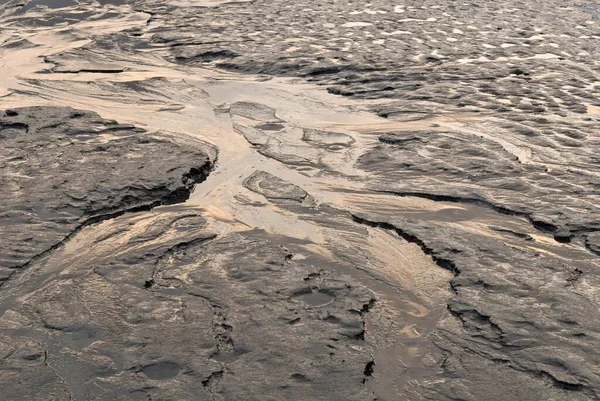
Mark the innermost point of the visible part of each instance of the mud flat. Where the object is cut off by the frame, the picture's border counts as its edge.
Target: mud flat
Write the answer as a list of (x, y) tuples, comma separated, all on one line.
[(250, 200)]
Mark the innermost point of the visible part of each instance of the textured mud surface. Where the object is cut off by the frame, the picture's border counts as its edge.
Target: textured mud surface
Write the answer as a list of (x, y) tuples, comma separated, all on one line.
[(64, 169), (281, 200), (161, 315)]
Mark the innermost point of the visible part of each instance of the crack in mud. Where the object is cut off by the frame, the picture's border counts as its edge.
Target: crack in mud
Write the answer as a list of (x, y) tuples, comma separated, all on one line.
[(537, 224), (444, 263), (190, 180), (469, 317)]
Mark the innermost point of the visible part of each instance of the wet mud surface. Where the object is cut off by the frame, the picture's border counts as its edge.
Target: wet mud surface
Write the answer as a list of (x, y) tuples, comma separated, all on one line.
[(252, 200)]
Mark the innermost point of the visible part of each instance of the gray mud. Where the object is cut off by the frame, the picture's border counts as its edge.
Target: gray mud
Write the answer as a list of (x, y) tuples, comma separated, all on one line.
[(266, 200)]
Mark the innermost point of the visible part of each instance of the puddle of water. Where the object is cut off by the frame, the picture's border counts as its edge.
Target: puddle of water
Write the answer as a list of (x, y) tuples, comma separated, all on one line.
[(317, 298), (161, 370)]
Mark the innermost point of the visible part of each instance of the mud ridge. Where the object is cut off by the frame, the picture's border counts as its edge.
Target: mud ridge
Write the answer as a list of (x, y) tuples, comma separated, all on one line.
[(190, 180), (539, 225), (441, 262)]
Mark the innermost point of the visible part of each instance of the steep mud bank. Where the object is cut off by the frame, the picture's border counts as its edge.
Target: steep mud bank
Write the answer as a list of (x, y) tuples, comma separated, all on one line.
[(64, 169)]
